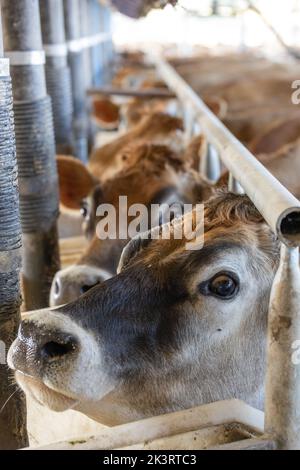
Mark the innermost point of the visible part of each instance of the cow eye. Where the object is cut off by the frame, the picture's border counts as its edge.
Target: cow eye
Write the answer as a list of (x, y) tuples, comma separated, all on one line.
[(223, 286), (84, 209)]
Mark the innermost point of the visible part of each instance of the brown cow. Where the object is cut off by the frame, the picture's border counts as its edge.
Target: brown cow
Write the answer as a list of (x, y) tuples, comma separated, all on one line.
[(154, 175), (174, 329), (158, 128)]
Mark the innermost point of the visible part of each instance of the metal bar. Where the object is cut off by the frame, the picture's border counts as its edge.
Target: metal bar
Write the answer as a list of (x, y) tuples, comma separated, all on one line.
[(35, 145), (26, 57), (234, 186), (147, 93), (88, 41), (12, 402), (76, 63), (58, 75), (97, 55), (283, 364), (282, 210), (210, 165)]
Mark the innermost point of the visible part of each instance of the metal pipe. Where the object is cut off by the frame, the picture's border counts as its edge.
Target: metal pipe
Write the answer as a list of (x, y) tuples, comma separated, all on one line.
[(146, 93), (76, 63), (282, 403), (96, 50), (210, 165), (35, 145), (107, 46), (86, 34), (282, 212), (234, 186), (58, 76), (13, 433)]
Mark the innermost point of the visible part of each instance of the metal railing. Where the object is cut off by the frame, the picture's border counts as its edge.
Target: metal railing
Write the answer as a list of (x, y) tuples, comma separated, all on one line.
[(281, 210)]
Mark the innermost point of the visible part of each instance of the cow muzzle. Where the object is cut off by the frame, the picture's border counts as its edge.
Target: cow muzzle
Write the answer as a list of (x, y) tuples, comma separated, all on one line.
[(39, 346), (58, 362), (74, 281)]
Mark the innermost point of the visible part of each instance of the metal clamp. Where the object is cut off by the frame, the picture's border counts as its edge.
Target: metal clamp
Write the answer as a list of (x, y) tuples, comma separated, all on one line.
[(26, 57), (55, 50), (4, 67)]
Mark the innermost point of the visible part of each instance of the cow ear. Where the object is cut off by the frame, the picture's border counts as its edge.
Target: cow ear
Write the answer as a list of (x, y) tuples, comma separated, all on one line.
[(75, 181), (106, 114), (223, 180), (196, 151), (218, 106), (136, 245)]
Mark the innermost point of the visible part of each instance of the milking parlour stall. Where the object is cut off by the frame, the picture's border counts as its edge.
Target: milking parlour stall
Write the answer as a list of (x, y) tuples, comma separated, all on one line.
[(149, 229)]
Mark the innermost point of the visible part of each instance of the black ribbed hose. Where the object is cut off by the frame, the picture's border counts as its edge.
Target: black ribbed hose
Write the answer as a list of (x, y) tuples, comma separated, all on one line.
[(12, 402), (35, 144)]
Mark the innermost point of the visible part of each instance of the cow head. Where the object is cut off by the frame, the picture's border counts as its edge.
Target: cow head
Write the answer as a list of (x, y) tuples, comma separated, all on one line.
[(152, 174), (174, 329)]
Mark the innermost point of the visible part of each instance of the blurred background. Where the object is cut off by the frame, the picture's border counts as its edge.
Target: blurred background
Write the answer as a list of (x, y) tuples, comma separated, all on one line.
[(226, 23)]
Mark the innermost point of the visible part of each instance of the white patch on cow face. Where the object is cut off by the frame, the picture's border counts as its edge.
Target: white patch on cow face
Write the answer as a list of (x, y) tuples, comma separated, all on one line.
[(70, 283), (66, 381)]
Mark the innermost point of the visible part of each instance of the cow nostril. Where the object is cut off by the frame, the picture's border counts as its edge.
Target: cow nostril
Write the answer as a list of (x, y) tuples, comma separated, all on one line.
[(86, 288), (54, 350), (56, 288)]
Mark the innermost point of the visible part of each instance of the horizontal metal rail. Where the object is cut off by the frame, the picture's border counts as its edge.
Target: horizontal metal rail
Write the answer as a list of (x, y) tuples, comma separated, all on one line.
[(147, 93), (279, 207)]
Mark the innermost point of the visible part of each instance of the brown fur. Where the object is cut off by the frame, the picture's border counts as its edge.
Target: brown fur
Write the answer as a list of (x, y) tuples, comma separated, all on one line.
[(151, 127)]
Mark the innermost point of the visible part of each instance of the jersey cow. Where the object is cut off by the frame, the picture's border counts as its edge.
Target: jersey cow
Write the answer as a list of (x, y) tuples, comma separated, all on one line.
[(152, 175), (174, 329)]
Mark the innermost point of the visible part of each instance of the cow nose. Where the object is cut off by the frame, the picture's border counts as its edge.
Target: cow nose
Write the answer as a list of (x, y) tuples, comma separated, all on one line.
[(57, 348), (63, 290), (56, 287), (37, 346), (70, 283)]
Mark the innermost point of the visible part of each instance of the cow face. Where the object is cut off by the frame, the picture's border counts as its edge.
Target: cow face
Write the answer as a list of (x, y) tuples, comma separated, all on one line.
[(174, 329), (152, 175)]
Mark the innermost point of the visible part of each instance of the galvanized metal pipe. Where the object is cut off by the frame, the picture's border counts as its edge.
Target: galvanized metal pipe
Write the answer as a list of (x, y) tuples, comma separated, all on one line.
[(282, 404), (58, 75), (12, 402), (35, 149), (76, 62), (210, 164), (234, 186), (107, 46), (96, 50), (277, 205)]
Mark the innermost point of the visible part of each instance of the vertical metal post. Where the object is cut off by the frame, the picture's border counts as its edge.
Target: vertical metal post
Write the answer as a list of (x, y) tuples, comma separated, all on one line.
[(75, 57), (85, 29), (107, 46), (86, 33), (97, 50), (234, 186), (35, 149), (12, 402), (210, 165), (282, 406), (58, 76), (189, 120)]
